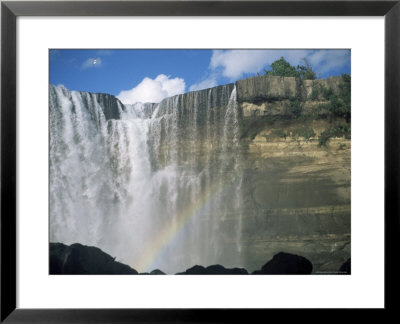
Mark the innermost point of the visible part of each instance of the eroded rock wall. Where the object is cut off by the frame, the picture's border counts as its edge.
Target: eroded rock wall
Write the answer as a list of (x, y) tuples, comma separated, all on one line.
[(249, 172), (273, 88), (297, 193)]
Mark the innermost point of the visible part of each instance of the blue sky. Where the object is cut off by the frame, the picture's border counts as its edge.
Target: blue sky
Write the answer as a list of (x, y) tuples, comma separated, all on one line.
[(151, 75)]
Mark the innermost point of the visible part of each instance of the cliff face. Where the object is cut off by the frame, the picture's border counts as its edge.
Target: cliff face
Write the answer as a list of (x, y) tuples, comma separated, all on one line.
[(273, 88), (297, 197), (110, 106), (247, 170), (294, 192), (297, 193)]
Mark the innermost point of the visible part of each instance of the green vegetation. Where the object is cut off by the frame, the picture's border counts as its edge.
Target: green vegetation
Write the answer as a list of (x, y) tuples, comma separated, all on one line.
[(305, 71), (327, 93), (339, 106), (335, 108), (321, 90), (295, 108), (282, 67), (277, 133), (315, 93), (251, 127), (339, 130), (345, 95), (306, 132)]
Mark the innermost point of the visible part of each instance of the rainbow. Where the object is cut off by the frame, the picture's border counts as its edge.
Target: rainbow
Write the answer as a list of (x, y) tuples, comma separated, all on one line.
[(154, 250)]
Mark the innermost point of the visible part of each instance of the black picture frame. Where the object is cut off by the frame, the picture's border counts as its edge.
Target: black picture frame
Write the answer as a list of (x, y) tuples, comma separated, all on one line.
[(10, 10)]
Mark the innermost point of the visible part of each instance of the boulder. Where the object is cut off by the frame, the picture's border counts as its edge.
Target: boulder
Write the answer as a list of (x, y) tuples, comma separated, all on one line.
[(346, 267), (219, 269), (286, 263), (215, 269), (81, 259), (195, 270)]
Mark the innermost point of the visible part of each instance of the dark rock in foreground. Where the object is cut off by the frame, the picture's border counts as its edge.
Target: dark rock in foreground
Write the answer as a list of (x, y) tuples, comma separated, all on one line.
[(154, 272), (157, 272), (213, 270), (346, 267), (80, 259), (285, 263)]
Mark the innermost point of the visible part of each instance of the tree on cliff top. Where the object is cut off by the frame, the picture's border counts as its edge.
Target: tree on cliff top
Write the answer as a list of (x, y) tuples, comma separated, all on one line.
[(305, 71), (282, 67)]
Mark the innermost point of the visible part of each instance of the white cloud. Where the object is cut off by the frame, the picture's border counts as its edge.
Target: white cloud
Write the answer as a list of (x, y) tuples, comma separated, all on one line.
[(233, 64), (236, 62), (205, 84), (327, 60), (153, 90), (91, 62)]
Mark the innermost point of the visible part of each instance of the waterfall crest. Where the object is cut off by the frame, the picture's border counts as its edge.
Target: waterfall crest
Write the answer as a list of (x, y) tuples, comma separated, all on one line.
[(155, 185)]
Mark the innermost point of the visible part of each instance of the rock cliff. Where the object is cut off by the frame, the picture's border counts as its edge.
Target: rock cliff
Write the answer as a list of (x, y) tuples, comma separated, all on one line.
[(268, 159), (297, 191)]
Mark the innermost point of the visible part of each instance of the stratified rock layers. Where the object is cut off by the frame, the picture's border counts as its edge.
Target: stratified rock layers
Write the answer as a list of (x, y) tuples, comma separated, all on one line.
[(287, 193), (296, 193)]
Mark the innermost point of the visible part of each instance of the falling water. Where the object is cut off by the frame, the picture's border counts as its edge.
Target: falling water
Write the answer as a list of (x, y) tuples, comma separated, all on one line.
[(155, 185)]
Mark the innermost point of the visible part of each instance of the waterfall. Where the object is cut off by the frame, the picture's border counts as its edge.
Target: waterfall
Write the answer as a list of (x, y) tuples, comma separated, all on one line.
[(155, 185)]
